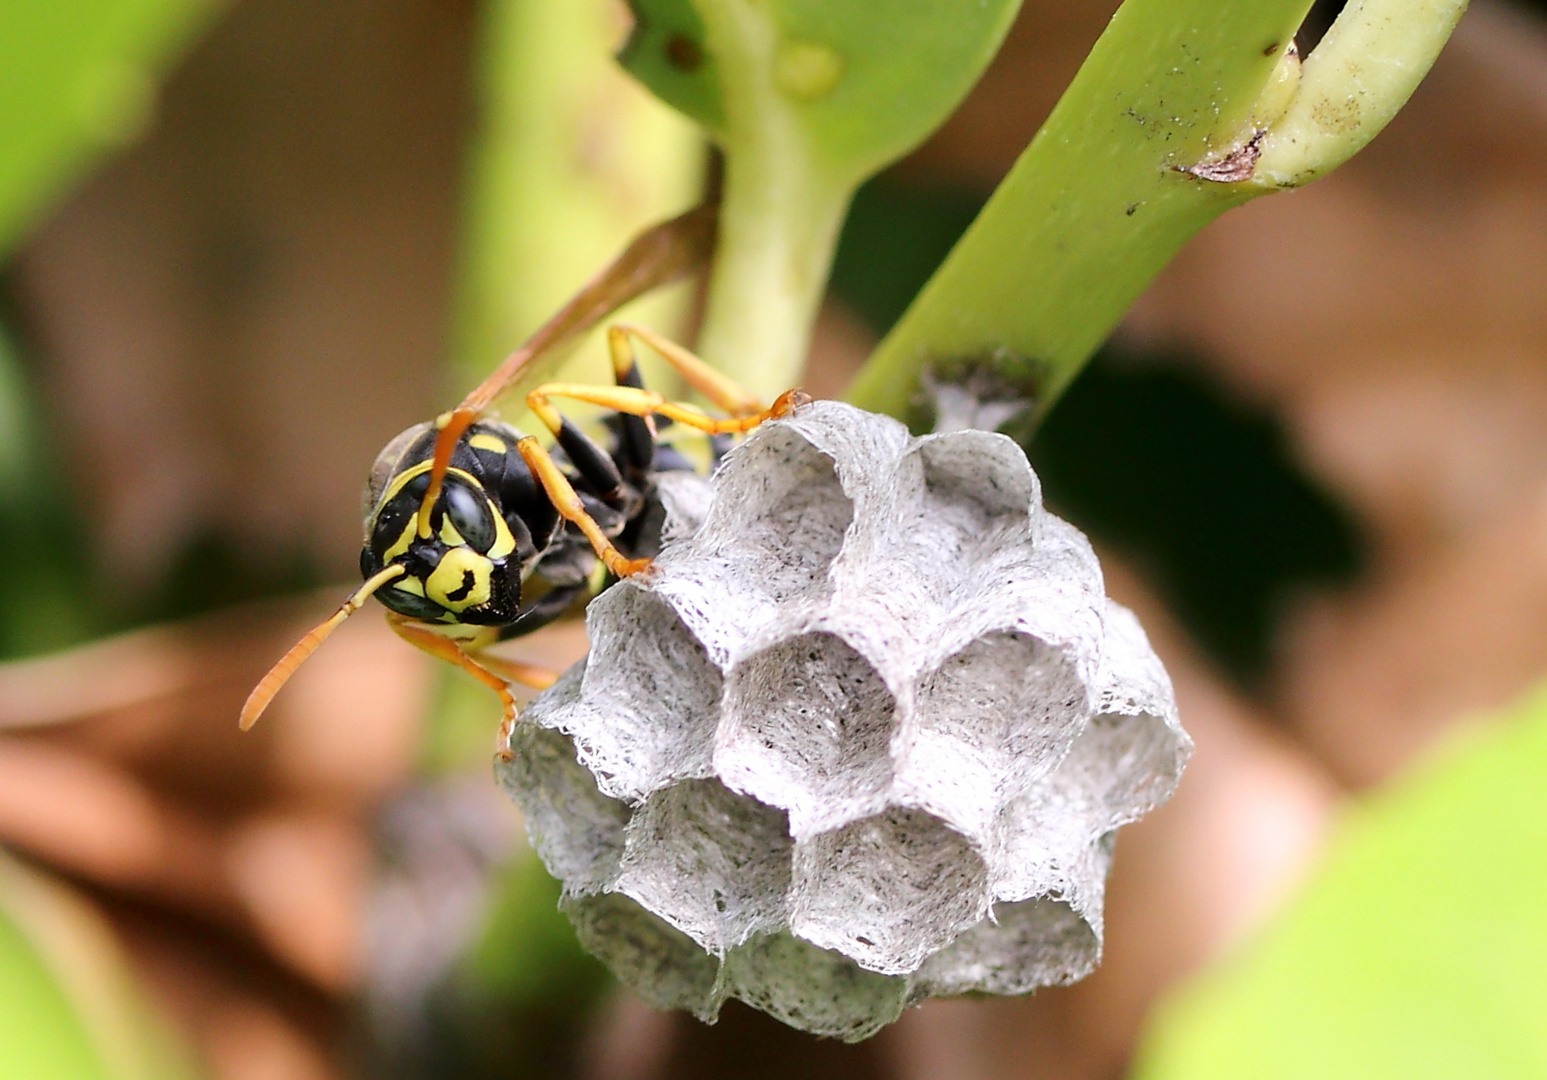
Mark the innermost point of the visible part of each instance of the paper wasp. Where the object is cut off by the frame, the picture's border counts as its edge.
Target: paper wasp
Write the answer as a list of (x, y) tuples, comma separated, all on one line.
[(476, 534)]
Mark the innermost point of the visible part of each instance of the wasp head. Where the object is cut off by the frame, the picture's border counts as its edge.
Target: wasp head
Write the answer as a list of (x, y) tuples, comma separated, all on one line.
[(461, 568)]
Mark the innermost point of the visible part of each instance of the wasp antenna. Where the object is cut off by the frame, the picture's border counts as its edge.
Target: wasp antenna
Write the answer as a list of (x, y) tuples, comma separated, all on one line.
[(280, 673), (452, 426)]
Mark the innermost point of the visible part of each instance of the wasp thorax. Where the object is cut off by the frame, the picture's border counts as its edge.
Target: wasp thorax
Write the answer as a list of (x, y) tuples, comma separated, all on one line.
[(863, 735)]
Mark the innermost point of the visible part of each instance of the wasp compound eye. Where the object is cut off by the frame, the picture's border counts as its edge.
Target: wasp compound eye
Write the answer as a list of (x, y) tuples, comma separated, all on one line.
[(862, 737), (392, 531), (467, 512)]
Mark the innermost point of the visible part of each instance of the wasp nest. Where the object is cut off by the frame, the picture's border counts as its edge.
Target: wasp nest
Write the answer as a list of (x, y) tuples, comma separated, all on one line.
[(863, 735)]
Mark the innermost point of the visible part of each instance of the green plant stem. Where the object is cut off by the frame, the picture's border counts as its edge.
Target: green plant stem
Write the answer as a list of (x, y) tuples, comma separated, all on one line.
[(780, 214), (776, 245), (1364, 70), (807, 98), (570, 160), (1111, 187)]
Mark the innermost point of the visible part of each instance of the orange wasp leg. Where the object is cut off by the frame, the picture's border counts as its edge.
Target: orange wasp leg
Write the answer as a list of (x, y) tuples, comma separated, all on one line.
[(722, 391), (568, 504), (657, 256), (538, 678), (628, 399), (443, 648)]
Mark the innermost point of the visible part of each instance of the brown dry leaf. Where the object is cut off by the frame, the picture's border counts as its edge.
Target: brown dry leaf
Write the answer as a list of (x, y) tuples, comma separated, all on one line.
[(249, 1041), (203, 842)]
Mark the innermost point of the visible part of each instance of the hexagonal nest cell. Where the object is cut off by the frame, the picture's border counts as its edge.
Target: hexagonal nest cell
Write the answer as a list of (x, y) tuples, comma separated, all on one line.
[(863, 734)]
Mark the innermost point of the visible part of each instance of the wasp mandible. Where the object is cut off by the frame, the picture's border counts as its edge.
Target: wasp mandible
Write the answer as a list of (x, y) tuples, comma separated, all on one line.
[(477, 534)]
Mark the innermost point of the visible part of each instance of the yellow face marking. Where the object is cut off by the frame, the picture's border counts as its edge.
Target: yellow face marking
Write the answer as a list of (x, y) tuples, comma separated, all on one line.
[(400, 545), (461, 581), (410, 585), (400, 481), (471, 638), (485, 441), (454, 539), (504, 540)]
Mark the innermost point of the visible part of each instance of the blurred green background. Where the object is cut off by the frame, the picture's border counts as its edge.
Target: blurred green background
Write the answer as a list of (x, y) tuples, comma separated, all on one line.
[(246, 243)]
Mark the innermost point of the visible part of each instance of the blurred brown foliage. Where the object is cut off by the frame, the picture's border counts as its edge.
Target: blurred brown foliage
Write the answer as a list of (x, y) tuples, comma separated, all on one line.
[(234, 315)]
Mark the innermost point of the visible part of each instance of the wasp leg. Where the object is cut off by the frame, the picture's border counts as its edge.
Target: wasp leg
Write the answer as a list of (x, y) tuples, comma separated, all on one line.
[(443, 648), (568, 504), (528, 675), (637, 442), (538, 678), (636, 445), (628, 399), (722, 391), (514, 671), (659, 255), (593, 463)]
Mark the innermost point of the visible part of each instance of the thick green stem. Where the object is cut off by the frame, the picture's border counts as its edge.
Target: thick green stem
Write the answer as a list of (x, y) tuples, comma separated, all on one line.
[(781, 209), (570, 159), (1363, 71), (1097, 204), (776, 245), (1184, 109), (806, 98)]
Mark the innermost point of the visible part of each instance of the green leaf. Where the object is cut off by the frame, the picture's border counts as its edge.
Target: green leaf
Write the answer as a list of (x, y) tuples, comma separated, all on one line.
[(77, 77), (41, 1036), (70, 1008), (666, 52), (1419, 950), (806, 98), (864, 83)]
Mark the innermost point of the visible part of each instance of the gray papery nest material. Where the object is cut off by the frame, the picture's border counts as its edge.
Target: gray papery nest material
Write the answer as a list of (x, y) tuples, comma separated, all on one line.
[(863, 735)]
